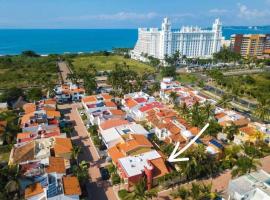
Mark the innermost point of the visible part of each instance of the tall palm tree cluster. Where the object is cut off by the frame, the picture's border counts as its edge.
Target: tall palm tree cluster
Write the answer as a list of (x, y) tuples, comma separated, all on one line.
[(124, 80), (198, 115), (200, 164)]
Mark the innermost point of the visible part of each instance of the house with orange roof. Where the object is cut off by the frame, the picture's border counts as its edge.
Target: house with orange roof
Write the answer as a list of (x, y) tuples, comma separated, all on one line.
[(133, 144), (248, 134), (35, 192), (150, 165), (68, 92), (113, 131), (66, 188), (29, 108), (62, 147), (98, 117)]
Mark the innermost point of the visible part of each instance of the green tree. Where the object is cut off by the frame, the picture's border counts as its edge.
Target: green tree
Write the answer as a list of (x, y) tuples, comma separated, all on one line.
[(139, 192), (34, 94), (245, 165), (262, 110), (76, 152)]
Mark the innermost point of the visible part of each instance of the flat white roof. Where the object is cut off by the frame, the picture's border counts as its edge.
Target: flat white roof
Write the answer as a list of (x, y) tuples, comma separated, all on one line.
[(131, 128), (110, 134), (134, 165)]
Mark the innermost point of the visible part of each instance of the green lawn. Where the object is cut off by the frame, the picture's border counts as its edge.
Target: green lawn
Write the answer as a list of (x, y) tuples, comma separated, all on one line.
[(103, 63)]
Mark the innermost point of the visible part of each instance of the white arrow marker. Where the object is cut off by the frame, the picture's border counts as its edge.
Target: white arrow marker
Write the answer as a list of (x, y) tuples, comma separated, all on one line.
[(173, 155)]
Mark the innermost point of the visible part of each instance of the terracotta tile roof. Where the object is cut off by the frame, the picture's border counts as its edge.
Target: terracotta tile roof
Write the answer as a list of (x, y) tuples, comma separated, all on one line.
[(194, 130), (241, 122), (33, 190), (53, 113), (140, 100), (115, 154), (113, 123), (77, 90), (71, 185), (173, 128), (110, 104), (160, 168), (25, 118), (50, 101), (117, 112), (248, 130), (23, 135), (23, 153), (89, 99), (130, 103), (220, 115), (225, 123), (177, 138), (29, 107), (134, 141), (106, 96), (56, 165), (62, 145)]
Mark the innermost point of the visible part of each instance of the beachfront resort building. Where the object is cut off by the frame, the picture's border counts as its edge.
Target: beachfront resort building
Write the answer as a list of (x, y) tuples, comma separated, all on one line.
[(192, 42)]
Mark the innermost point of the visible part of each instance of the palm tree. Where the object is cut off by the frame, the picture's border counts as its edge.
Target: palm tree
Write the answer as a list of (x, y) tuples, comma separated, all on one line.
[(81, 171), (244, 165), (262, 110), (76, 152), (231, 131), (139, 192), (230, 156), (208, 109)]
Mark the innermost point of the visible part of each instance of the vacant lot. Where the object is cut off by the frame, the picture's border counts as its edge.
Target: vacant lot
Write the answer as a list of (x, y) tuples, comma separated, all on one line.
[(103, 63), (24, 72)]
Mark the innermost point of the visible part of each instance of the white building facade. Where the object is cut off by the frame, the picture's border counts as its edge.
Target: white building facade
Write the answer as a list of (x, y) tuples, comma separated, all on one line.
[(192, 42)]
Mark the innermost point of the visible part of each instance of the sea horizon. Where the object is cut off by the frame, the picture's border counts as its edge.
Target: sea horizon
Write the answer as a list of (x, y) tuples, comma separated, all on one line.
[(46, 41)]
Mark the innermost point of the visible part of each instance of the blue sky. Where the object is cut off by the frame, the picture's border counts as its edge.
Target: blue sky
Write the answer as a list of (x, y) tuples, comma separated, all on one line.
[(130, 13)]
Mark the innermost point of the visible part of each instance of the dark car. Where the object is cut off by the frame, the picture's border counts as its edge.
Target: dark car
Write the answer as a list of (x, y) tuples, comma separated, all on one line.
[(105, 175)]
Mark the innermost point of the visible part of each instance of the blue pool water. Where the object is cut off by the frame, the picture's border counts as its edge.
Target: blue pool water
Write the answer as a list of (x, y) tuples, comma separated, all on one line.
[(46, 41)]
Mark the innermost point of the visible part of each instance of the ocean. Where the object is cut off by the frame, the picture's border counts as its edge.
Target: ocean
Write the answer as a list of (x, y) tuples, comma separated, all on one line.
[(50, 41)]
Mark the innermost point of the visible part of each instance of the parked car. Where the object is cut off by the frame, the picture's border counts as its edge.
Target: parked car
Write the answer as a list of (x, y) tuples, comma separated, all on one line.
[(105, 175)]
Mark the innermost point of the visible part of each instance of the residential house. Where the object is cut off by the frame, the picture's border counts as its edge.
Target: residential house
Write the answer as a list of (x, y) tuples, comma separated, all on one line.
[(68, 92), (248, 134), (133, 144), (111, 131), (150, 165)]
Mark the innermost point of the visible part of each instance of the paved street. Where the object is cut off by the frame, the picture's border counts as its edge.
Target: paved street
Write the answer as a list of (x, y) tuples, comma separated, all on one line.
[(64, 71), (97, 189)]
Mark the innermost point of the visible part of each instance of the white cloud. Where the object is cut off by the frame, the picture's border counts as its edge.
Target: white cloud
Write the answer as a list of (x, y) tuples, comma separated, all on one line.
[(218, 11), (247, 13)]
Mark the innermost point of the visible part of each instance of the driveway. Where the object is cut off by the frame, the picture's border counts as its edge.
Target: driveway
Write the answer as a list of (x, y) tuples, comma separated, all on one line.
[(96, 188)]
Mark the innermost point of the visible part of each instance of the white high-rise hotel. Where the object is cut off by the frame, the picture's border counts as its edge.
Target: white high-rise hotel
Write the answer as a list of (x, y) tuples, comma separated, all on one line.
[(189, 41)]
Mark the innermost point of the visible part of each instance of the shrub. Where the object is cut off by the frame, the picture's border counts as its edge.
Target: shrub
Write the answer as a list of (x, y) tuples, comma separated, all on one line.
[(115, 179), (122, 193)]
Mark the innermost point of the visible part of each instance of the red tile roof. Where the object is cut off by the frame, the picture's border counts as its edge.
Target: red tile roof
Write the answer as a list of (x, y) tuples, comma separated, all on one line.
[(113, 123)]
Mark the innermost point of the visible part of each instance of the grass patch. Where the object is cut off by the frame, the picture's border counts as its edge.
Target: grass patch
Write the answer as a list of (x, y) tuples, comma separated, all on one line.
[(103, 63), (23, 72), (186, 78)]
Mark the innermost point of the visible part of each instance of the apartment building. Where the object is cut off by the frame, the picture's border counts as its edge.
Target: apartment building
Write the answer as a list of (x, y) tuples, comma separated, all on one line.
[(252, 45)]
